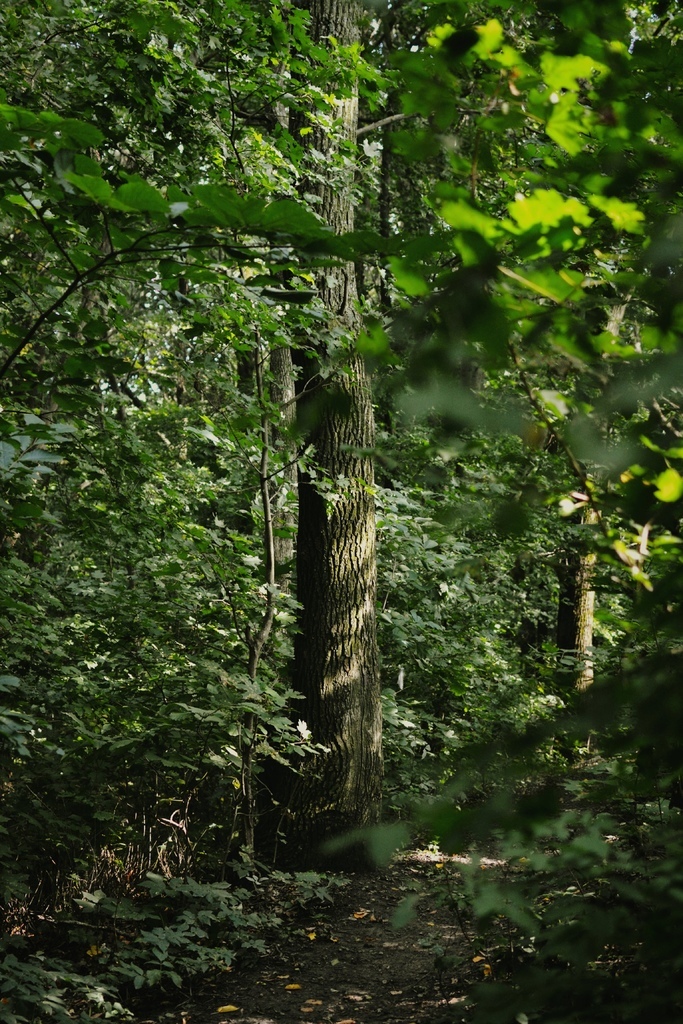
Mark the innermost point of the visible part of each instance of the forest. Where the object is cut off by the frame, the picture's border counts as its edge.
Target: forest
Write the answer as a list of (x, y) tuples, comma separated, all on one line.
[(341, 488)]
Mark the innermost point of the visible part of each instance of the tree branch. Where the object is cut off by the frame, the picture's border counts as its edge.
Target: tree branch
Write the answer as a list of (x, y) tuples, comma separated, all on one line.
[(381, 124)]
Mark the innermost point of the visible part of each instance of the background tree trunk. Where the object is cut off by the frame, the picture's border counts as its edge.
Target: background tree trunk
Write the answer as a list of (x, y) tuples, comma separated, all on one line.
[(585, 611), (282, 393), (576, 611)]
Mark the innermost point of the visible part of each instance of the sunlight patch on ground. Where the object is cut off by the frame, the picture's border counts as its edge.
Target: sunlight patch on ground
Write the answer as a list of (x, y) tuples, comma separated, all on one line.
[(432, 856)]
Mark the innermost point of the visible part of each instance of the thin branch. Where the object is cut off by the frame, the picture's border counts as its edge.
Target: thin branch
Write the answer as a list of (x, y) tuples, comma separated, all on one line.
[(38, 323), (233, 122), (47, 227), (380, 124), (81, 278), (403, 117), (665, 420)]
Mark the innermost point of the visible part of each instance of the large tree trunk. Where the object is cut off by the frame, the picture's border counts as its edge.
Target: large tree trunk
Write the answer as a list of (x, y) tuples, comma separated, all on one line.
[(336, 665)]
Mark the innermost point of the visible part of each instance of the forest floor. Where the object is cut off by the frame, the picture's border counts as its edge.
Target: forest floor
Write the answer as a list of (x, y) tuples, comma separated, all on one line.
[(353, 960)]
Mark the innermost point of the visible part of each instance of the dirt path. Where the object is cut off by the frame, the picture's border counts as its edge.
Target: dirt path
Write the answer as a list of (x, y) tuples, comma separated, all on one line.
[(347, 962)]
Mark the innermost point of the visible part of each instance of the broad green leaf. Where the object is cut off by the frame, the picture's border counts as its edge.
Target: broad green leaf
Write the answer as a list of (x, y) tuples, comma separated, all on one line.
[(550, 284), (374, 344), (140, 195), (547, 208), (94, 187), (37, 455), (669, 485), (407, 279), (290, 217), (625, 216), (491, 36), (9, 140), (563, 72), (568, 124), (464, 217), (78, 135), (225, 206)]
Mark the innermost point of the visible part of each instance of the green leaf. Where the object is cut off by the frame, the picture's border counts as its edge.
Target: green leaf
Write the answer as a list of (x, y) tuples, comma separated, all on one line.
[(625, 216), (491, 36), (669, 485), (139, 195), (547, 208), (464, 217), (76, 134), (95, 187), (226, 207), (291, 218), (550, 284), (564, 72), (407, 279)]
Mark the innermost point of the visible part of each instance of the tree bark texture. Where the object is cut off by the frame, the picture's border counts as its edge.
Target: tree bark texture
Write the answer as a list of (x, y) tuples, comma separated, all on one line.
[(576, 611), (282, 393), (336, 664), (585, 611)]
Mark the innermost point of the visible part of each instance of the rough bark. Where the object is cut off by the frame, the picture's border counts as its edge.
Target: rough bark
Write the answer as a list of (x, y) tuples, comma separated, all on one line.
[(284, 521), (576, 611), (336, 664), (585, 611)]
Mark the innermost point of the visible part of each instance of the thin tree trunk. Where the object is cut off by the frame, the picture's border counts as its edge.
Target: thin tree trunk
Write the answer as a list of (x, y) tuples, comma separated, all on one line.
[(576, 611), (284, 520), (585, 611)]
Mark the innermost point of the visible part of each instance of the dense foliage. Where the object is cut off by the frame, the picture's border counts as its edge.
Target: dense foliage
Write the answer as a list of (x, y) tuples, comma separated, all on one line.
[(517, 182)]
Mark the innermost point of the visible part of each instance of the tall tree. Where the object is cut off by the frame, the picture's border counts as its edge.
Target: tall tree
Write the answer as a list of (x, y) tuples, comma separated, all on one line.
[(336, 664)]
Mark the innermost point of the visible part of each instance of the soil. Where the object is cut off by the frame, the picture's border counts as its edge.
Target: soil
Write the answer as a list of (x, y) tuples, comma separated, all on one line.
[(354, 960)]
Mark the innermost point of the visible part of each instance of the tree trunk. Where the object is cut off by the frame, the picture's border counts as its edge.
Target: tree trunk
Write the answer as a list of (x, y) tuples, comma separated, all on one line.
[(585, 611), (335, 662), (282, 394), (576, 611)]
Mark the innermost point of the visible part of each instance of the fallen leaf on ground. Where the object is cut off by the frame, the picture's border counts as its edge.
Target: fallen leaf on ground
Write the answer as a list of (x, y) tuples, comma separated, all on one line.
[(292, 988), (227, 1009), (311, 936), (361, 913), (313, 1002)]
